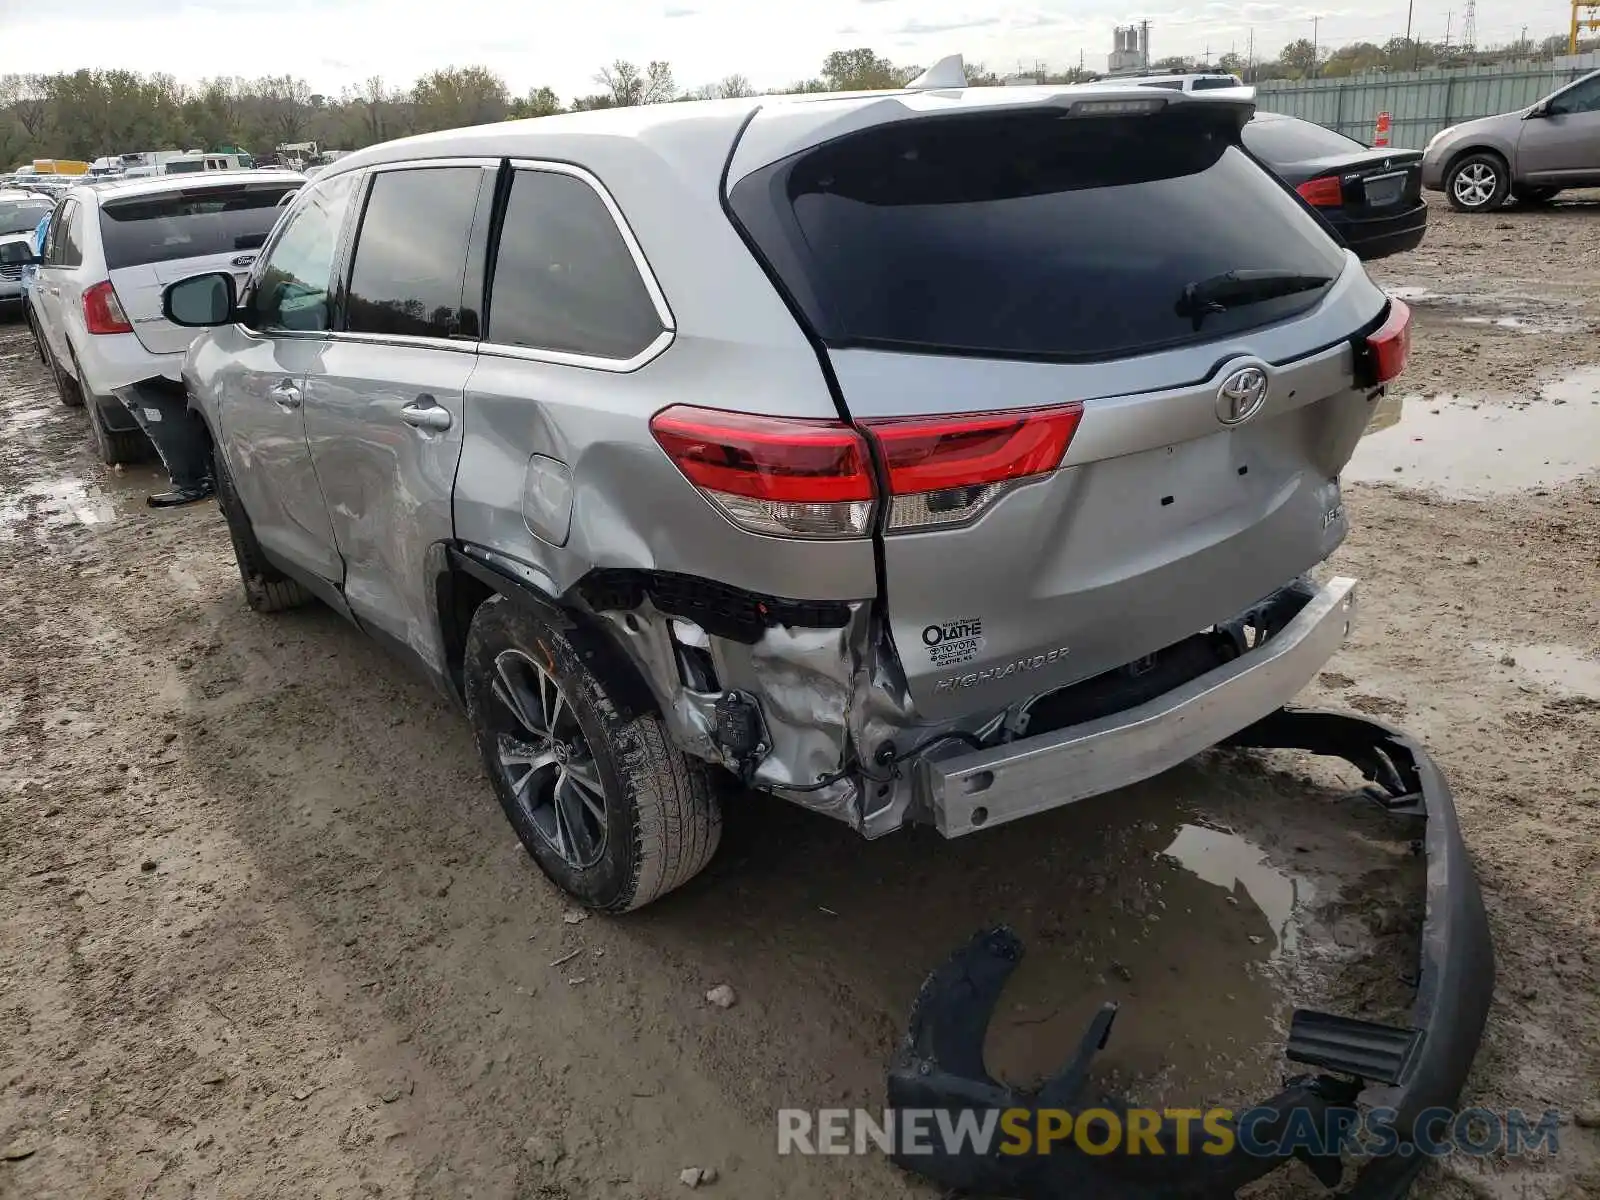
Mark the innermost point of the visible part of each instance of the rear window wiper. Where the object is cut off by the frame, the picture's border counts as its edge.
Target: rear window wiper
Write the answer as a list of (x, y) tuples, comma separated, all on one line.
[(1219, 293)]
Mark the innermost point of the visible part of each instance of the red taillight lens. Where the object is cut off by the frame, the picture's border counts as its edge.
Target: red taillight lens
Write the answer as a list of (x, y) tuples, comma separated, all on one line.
[(947, 470), (1322, 193), (777, 475), (102, 311), (810, 478), (1390, 345)]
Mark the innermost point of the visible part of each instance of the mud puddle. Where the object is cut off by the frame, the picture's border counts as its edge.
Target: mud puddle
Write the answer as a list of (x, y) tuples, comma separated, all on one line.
[(1564, 670), (69, 502), (1467, 447), (1196, 920), (1513, 311)]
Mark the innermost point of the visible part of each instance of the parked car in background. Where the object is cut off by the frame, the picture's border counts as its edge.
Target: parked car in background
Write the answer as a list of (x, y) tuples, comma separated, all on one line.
[(110, 250), (1528, 155), (191, 163), (1372, 196), (806, 438), (20, 214)]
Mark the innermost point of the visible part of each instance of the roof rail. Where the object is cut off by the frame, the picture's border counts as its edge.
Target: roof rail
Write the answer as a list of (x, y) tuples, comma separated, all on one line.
[(948, 72)]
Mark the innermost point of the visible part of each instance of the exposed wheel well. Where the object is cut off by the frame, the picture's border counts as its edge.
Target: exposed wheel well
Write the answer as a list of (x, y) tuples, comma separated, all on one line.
[(462, 585)]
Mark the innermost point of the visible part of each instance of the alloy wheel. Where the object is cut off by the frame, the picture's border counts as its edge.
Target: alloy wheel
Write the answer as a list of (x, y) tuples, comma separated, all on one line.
[(1474, 184), (546, 760)]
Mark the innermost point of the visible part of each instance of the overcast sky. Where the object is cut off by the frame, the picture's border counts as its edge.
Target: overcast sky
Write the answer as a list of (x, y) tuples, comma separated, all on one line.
[(334, 43)]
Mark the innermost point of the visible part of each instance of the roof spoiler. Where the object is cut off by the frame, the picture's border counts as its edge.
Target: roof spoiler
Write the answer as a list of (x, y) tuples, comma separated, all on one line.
[(948, 72)]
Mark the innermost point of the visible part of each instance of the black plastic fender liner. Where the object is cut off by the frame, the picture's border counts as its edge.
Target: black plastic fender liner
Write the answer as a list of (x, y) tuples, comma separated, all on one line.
[(939, 1064)]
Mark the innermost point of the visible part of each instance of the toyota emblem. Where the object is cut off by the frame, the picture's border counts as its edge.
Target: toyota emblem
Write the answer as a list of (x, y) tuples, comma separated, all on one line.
[(1241, 395)]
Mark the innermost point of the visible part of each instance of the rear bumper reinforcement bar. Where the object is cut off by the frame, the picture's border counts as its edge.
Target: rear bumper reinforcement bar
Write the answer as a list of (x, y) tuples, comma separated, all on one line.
[(1358, 1066), (1018, 779)]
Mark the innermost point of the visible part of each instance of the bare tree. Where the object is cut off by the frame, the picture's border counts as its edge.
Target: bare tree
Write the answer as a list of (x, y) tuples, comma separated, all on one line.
[(626, 85), (735, 87)]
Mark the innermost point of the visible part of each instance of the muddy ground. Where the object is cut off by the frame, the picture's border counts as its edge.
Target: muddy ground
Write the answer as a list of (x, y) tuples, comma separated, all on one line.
[(264, 932)]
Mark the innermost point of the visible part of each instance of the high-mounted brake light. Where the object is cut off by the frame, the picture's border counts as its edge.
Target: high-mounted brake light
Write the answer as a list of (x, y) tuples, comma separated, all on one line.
[(102, 311), (1118, 108), (776, 475), (1326, 192), (1390, 345), (946, 470)]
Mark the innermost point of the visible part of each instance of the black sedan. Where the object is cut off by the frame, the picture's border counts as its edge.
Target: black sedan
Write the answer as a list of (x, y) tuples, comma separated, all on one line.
[(1371, 195)]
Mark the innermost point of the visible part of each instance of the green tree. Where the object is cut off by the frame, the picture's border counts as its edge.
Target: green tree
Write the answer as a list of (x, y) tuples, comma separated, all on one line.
[(862, 70), (539, 102), (456, 97), (1299, 58)]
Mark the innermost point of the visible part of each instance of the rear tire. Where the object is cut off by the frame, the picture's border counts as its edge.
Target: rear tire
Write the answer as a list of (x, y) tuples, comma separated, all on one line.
[(1478, 183), (116, 445), (67, 390), (266, 589), (614, 814)]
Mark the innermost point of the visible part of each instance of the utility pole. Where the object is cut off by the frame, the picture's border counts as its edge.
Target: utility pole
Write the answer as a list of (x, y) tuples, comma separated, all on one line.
[(1315, 22), (1250, 58), (1410, 4), (1144, 42), (1447, 19)]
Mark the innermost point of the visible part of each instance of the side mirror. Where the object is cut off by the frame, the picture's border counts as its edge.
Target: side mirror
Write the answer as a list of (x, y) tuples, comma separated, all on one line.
[(201, 301), (14, 254), (1542, 109)]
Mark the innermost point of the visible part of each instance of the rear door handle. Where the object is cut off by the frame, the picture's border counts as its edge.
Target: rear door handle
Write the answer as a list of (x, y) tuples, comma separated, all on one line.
[(286, 395), (426, 413)]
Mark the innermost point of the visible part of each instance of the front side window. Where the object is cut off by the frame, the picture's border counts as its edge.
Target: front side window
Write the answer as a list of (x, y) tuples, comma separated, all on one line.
[(1583, 98), (292, 288), (564, 278), (410, 259)]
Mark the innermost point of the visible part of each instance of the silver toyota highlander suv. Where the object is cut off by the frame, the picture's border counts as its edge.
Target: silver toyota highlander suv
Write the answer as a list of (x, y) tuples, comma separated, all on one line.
[(936, 456)]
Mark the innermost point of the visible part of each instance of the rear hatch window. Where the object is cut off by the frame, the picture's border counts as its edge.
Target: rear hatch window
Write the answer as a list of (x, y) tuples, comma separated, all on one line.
[(1286, 140), (1031, 234), (189, 224)]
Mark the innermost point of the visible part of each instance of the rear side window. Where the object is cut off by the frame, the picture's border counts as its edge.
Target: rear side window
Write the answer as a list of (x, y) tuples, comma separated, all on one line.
[(1287, 140), (1030, 235), (63, 243), (1215, 81), (411, 254), (564, 278), (188, 224)]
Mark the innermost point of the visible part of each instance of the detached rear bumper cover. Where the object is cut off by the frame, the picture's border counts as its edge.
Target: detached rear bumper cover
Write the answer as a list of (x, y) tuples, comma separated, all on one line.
[(940, 1063), (1021, 778)]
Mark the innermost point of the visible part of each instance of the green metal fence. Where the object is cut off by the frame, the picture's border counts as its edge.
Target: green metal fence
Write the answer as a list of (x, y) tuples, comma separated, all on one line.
[(1419, 103)]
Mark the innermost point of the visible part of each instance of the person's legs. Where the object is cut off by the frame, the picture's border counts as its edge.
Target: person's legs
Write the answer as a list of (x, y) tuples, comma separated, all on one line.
[(179, 439)]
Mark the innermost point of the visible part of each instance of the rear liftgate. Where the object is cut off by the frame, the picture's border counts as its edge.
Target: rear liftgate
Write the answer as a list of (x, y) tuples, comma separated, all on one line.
[(939, 1066)]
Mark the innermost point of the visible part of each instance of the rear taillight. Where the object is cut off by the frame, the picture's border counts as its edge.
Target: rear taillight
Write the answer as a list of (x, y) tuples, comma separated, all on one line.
[(1322, 193), (947, 470), (1389, 345), (814, 478), (773, 475), (102, 311)]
